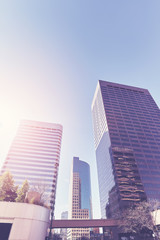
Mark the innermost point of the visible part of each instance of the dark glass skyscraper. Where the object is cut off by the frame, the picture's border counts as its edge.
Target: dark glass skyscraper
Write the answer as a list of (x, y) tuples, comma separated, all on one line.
[(126, 124)]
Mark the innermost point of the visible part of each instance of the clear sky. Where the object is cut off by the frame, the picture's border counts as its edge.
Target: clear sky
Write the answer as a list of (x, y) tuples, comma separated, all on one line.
[(52, 54)]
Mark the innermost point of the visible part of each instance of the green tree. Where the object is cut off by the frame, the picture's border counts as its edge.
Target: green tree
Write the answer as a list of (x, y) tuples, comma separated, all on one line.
[(8, 190), (21, 193)]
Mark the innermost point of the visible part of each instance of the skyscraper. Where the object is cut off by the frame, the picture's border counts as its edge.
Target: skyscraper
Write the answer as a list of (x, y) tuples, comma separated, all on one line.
[(80, 194), (126, 123), (34, 155)]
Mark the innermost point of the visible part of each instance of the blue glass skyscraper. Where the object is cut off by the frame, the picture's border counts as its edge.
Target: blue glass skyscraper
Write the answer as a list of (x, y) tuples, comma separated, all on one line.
[(83, 169), (80, 205)]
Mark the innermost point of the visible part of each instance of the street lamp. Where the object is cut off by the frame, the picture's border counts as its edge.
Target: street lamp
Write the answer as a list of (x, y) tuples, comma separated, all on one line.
[(49, 237)]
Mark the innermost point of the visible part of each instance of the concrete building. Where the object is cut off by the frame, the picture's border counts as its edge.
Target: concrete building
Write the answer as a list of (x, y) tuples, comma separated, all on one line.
[(23, 221), (63, 231), (126, 123), (80, 205), (34, 155)]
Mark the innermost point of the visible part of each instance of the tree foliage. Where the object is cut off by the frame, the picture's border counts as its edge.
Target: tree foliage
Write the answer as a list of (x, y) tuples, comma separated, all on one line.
[(8, 190), (11, 193), (37, 195), (140, 220), (21, 193)]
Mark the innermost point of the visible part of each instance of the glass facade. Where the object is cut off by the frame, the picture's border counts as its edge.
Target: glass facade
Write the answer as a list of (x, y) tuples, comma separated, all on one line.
[(80, 197), (34, 155), (130, 119), (83, 169)]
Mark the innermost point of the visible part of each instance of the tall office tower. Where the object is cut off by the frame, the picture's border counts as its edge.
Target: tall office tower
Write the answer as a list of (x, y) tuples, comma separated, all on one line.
[(80, 205), (34, 155), (126, 123)]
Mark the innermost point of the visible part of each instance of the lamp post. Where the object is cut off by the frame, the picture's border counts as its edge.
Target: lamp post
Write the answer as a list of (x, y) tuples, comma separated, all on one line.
[(50, 228), (52, 208), (49, 237)]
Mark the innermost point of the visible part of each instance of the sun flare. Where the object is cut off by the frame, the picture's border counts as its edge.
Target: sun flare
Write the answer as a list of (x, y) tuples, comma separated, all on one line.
[(8, 126)]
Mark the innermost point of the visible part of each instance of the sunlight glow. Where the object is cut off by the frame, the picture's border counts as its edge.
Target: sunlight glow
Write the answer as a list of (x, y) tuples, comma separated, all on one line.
[(8, 126)]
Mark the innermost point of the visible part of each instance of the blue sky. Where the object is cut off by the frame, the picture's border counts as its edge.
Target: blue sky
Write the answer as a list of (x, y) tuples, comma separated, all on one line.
[(52, 54)]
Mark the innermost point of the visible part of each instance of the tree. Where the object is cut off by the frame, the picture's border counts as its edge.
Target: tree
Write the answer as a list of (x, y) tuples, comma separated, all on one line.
[(37, 195), (8, 190), (140, 220), (11, 193), (21, 193)]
